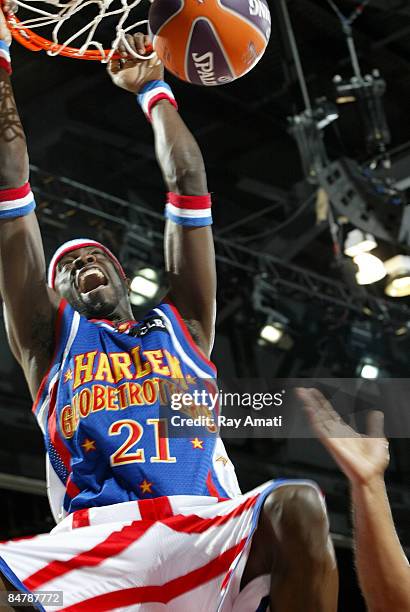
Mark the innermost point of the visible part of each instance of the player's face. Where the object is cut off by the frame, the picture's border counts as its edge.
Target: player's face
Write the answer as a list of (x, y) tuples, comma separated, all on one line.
[(89, 280)]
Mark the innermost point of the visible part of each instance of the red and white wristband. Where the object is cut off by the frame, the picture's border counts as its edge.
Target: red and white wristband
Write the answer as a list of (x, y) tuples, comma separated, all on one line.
[(190, 211), (16, 202), (151, 93), (5, 60)]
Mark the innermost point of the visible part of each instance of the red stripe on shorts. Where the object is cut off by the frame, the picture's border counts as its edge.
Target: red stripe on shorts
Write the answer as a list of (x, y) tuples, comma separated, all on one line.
[(81, 518), (155, 509), (161, 593), (192, 523), (118, 541), (113, 545)]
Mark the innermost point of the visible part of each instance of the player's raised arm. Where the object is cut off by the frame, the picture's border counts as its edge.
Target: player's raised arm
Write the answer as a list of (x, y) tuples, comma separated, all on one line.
[(29, 307), (189, 249), (383, 570)]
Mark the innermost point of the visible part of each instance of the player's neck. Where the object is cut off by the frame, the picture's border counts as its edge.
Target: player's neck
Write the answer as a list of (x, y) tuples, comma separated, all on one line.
[(122, 314)]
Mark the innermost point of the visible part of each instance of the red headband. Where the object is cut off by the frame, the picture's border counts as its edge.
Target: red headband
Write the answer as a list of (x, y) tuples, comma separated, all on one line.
[(72, 245)]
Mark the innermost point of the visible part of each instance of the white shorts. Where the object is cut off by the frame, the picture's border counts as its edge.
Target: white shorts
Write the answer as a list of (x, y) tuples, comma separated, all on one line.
[(179, 553)]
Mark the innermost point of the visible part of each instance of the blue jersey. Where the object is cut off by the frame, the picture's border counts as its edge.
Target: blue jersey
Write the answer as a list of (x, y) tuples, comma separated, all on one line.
[(101, 409)]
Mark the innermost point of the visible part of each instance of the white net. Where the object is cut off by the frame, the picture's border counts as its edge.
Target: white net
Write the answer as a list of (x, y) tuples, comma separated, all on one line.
[(54, 15)]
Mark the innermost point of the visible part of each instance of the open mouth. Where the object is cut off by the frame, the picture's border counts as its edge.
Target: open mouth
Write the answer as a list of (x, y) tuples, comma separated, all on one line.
[(91, 279)]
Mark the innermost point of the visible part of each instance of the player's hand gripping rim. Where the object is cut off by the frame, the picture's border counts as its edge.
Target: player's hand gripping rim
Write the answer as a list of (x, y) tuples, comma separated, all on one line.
[(131, 73)]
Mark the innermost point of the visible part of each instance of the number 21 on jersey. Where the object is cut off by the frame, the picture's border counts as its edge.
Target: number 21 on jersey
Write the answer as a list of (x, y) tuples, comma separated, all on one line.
[(128, 453)]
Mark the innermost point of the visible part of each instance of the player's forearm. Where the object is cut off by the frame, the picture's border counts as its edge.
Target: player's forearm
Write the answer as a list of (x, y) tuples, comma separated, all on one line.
[(383, 570), (14, 167), (178, 153), (189, 250), (22, 268)]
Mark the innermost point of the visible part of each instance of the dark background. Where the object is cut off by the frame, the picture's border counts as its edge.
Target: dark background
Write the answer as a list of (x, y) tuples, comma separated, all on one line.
[(81, 129)]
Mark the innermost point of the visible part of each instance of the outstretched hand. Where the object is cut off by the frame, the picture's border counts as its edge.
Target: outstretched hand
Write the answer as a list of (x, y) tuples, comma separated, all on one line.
[(361, 458), (6, 8), (131, 74)]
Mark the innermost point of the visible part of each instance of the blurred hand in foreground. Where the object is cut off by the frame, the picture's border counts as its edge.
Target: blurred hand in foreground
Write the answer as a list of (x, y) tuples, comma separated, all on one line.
[(361, 458)]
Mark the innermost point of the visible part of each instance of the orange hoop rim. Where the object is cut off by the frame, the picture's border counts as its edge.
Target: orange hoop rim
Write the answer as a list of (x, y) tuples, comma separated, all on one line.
[(35, 42)]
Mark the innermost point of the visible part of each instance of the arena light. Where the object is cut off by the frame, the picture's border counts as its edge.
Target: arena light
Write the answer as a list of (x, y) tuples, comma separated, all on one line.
[(399, 287), (398, 269), (369, 369), (370, 269), (275, 333), (345, 99), (272, 333), (144, 286), (402, 330), (275, 326), (358, 242), (325, 113)]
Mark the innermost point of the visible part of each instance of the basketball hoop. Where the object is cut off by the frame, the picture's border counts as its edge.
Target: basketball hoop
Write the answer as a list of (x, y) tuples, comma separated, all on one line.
[(90, 48)]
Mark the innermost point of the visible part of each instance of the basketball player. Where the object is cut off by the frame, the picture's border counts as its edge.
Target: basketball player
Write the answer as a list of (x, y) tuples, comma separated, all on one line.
[(144, 522), (383, 570)]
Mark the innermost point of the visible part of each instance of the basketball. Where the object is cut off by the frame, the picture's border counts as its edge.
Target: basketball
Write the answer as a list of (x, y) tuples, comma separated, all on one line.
[(209, 42)]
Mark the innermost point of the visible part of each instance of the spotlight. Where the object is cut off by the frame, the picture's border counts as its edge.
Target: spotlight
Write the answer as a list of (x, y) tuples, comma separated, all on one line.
[(371, 269), (358, 242), (274, 332), (276, 328), (402, 330), (398, 269), (144, 286), (369, 370), (271, 333)]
